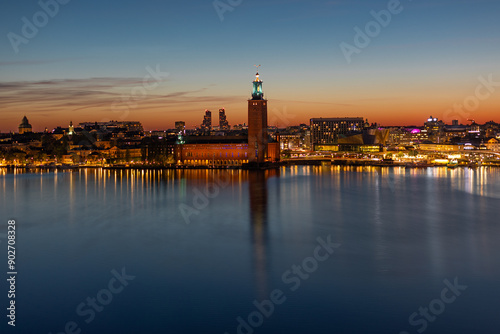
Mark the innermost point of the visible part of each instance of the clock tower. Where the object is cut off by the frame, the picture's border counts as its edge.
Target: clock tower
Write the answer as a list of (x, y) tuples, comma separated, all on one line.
[(257, 124)]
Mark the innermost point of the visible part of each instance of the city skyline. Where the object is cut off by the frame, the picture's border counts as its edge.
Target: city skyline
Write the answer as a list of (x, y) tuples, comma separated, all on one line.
[(237, 166), (216, 126), (394, 63)]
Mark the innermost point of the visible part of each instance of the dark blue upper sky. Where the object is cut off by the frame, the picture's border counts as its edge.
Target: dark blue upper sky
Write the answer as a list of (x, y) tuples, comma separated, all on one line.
[(434, 48)]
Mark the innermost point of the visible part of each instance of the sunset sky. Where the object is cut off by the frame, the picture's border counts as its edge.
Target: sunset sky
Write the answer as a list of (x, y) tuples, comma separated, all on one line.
[(84, 63)]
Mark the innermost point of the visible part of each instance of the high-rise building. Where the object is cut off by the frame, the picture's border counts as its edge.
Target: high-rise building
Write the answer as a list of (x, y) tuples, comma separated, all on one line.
[(257, 123), (433, 125), (327, 130), (25, 126), (223, 123), (180, 127), (434, 129), (207, 121)]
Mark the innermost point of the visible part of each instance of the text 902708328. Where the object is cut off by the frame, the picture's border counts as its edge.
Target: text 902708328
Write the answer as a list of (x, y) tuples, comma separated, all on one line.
[(12, 273)]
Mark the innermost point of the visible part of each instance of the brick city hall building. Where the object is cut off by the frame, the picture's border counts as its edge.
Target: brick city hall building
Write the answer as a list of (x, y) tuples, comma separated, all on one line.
[(257, 124), (234, 150)]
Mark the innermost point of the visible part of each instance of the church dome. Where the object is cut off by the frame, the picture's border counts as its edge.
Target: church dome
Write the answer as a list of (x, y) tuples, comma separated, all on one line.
[(25, 126)]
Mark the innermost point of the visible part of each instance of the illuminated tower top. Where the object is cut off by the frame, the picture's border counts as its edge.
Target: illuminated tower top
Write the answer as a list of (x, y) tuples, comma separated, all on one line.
[(257, 93)]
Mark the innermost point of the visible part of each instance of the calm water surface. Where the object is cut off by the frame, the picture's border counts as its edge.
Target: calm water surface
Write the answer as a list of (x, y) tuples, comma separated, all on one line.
[(199, 264)]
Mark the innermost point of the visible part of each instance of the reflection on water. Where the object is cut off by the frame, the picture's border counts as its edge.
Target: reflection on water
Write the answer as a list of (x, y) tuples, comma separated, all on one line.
[(403, 231), (471, 180), (257, 186)]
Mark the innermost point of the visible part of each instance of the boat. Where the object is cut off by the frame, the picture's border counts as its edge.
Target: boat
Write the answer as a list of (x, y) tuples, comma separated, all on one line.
[(452, 164)]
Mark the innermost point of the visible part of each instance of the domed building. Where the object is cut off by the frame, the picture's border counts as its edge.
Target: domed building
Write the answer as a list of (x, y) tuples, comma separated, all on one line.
[(25, 126)]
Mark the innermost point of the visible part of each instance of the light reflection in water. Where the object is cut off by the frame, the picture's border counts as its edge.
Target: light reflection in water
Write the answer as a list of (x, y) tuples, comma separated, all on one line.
[(383, 191), (257, 186)]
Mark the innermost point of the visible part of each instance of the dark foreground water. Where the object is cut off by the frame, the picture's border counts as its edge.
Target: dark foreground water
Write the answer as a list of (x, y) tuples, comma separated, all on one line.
[(298, 250)]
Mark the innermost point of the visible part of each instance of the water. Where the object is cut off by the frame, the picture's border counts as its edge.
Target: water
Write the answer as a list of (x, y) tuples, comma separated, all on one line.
[(195, 263)]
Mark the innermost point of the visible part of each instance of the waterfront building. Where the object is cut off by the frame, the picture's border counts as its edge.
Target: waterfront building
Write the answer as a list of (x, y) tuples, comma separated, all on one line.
[(493, 144), (350, 134), (328, 130), (129, 126), (234, 150), (291, 141), (158, 149), (454, 131), (407, 136), (213, 151), (441, 147)]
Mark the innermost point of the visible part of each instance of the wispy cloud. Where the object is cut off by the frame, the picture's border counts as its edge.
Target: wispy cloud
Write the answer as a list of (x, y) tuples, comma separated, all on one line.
[(43, 95), (76, 95), (35, 62)]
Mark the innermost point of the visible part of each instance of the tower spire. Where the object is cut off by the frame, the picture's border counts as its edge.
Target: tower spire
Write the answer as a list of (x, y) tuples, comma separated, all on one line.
[(257, 93), (257, 123)]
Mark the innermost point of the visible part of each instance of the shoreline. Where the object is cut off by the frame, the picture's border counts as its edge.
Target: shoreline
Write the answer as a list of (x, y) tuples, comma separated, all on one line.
[(259, 167)]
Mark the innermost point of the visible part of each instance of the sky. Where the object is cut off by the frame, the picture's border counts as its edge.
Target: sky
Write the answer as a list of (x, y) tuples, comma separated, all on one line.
[(391, 62)]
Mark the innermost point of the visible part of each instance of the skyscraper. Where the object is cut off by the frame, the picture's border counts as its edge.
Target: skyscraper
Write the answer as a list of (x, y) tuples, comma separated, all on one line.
[(257, 123), (206, 126), (223, 123)]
